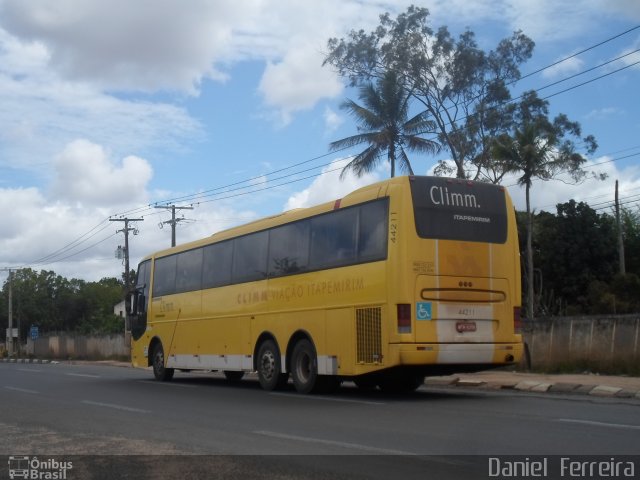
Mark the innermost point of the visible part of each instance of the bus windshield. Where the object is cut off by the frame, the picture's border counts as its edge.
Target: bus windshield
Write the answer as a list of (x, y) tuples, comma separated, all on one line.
[(451, 209)]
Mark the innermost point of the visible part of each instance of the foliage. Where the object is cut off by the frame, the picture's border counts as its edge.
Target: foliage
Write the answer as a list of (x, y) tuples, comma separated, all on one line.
[(384, 126), (538, 148), (631, 231), (576, 258), (54, 303), (462, 88)]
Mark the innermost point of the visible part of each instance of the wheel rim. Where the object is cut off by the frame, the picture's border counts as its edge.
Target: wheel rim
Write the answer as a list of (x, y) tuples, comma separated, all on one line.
[(159, 362), (268, 365)]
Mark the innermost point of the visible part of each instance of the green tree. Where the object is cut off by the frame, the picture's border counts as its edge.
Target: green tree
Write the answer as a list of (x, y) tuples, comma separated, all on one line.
[(384, 126), (100, 298), (539, 148), (55, 303), (462, 88), (631, 231), (580, 251), (575, 255)]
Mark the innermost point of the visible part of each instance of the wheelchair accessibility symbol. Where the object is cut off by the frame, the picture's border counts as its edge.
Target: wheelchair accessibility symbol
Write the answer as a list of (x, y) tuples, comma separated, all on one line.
[(423, 311)]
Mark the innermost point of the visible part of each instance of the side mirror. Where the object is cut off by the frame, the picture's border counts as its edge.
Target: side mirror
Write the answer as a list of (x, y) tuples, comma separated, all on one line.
[(135, 303), (128, 302), (140, 303)]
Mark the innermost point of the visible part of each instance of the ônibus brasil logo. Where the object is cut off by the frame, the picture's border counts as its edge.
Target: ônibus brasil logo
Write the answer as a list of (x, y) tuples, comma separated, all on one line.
[(33, 468)]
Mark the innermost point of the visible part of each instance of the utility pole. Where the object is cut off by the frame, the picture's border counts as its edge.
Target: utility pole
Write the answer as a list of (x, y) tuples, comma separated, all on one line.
[(620, 239), (10, 315), (174, 221), (126, 231)]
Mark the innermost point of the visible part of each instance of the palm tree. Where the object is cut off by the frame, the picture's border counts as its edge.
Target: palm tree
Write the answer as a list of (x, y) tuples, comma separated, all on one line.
[(528, 153), (540, 150), (383, 125)]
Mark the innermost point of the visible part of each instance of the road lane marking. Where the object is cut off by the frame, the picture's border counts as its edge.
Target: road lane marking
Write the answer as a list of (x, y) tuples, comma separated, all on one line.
[(326, 399), (82, 375), (167, 384), (333, 443), (599, 424), (29, 370), (23, 390), (115, 406)]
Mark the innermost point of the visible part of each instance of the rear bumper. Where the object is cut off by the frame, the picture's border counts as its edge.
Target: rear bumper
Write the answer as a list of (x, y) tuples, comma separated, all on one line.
[(456, 353)]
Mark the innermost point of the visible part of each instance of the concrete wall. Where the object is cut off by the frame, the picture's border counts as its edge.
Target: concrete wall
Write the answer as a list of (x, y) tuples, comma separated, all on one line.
[(593, 341), (79, 346), (596, 342)]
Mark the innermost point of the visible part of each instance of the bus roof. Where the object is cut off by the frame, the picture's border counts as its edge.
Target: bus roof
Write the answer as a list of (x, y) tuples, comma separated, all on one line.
[(357, 196)]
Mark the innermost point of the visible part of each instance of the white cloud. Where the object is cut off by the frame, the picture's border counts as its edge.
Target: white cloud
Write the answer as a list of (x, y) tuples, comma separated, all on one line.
[(564, 69), (629, 8), (545, 195), (604, 113), (329, 186), (85, 175), (67, 229), (143, 45), (632, 56), (546, 20), (41, 114), (297, 82), (332, 120)]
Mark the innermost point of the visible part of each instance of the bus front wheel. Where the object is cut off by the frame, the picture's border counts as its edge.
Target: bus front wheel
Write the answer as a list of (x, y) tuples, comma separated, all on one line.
[(269, 367), (160, 371)]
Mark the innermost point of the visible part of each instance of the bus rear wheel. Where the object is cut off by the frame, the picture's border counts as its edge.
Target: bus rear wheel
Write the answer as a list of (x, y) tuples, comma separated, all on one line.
[(160, 371), (269, 367), (304, 367)]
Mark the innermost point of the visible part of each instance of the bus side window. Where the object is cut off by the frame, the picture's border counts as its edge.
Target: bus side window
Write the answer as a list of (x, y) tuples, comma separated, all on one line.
[(289, 249), (333, 239), (372, 234), (216, 264), (189, 271), (250, 257), (164, 276)]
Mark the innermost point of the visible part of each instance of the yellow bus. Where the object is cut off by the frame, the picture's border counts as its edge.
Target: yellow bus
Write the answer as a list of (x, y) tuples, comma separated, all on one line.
[(408, 277)]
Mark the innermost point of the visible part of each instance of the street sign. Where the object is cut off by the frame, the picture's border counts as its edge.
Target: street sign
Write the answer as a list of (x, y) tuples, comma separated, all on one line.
[(34, 332), (15, 332)]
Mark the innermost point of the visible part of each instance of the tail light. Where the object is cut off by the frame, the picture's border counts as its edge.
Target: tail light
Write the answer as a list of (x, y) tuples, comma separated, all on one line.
[(517, 320), (404, 318)]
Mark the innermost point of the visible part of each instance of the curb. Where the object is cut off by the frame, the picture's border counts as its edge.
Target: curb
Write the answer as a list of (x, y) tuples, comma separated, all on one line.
[(27, 360), (536, 387)]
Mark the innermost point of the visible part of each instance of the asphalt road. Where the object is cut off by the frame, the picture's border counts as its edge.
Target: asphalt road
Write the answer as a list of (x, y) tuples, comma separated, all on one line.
[(81, 411)]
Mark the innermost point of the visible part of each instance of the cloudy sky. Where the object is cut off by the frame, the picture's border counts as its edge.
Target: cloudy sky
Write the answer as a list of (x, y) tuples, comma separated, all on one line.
[(109, 107)]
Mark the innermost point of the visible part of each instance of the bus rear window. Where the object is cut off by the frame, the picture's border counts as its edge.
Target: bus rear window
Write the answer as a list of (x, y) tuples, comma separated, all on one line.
[(453, 209)]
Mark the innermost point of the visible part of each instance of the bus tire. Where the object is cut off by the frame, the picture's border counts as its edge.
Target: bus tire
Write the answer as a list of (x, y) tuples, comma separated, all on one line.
[(233, 375), (304, 367), (269, 367), (160, 371)]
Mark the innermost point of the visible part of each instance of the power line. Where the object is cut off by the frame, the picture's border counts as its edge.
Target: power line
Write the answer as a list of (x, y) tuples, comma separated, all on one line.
[(585, 50), (224, 191), (206, 193), (174, 221)]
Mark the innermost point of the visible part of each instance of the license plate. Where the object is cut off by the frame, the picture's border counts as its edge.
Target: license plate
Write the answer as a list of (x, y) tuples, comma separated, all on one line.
[(462, 327)]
